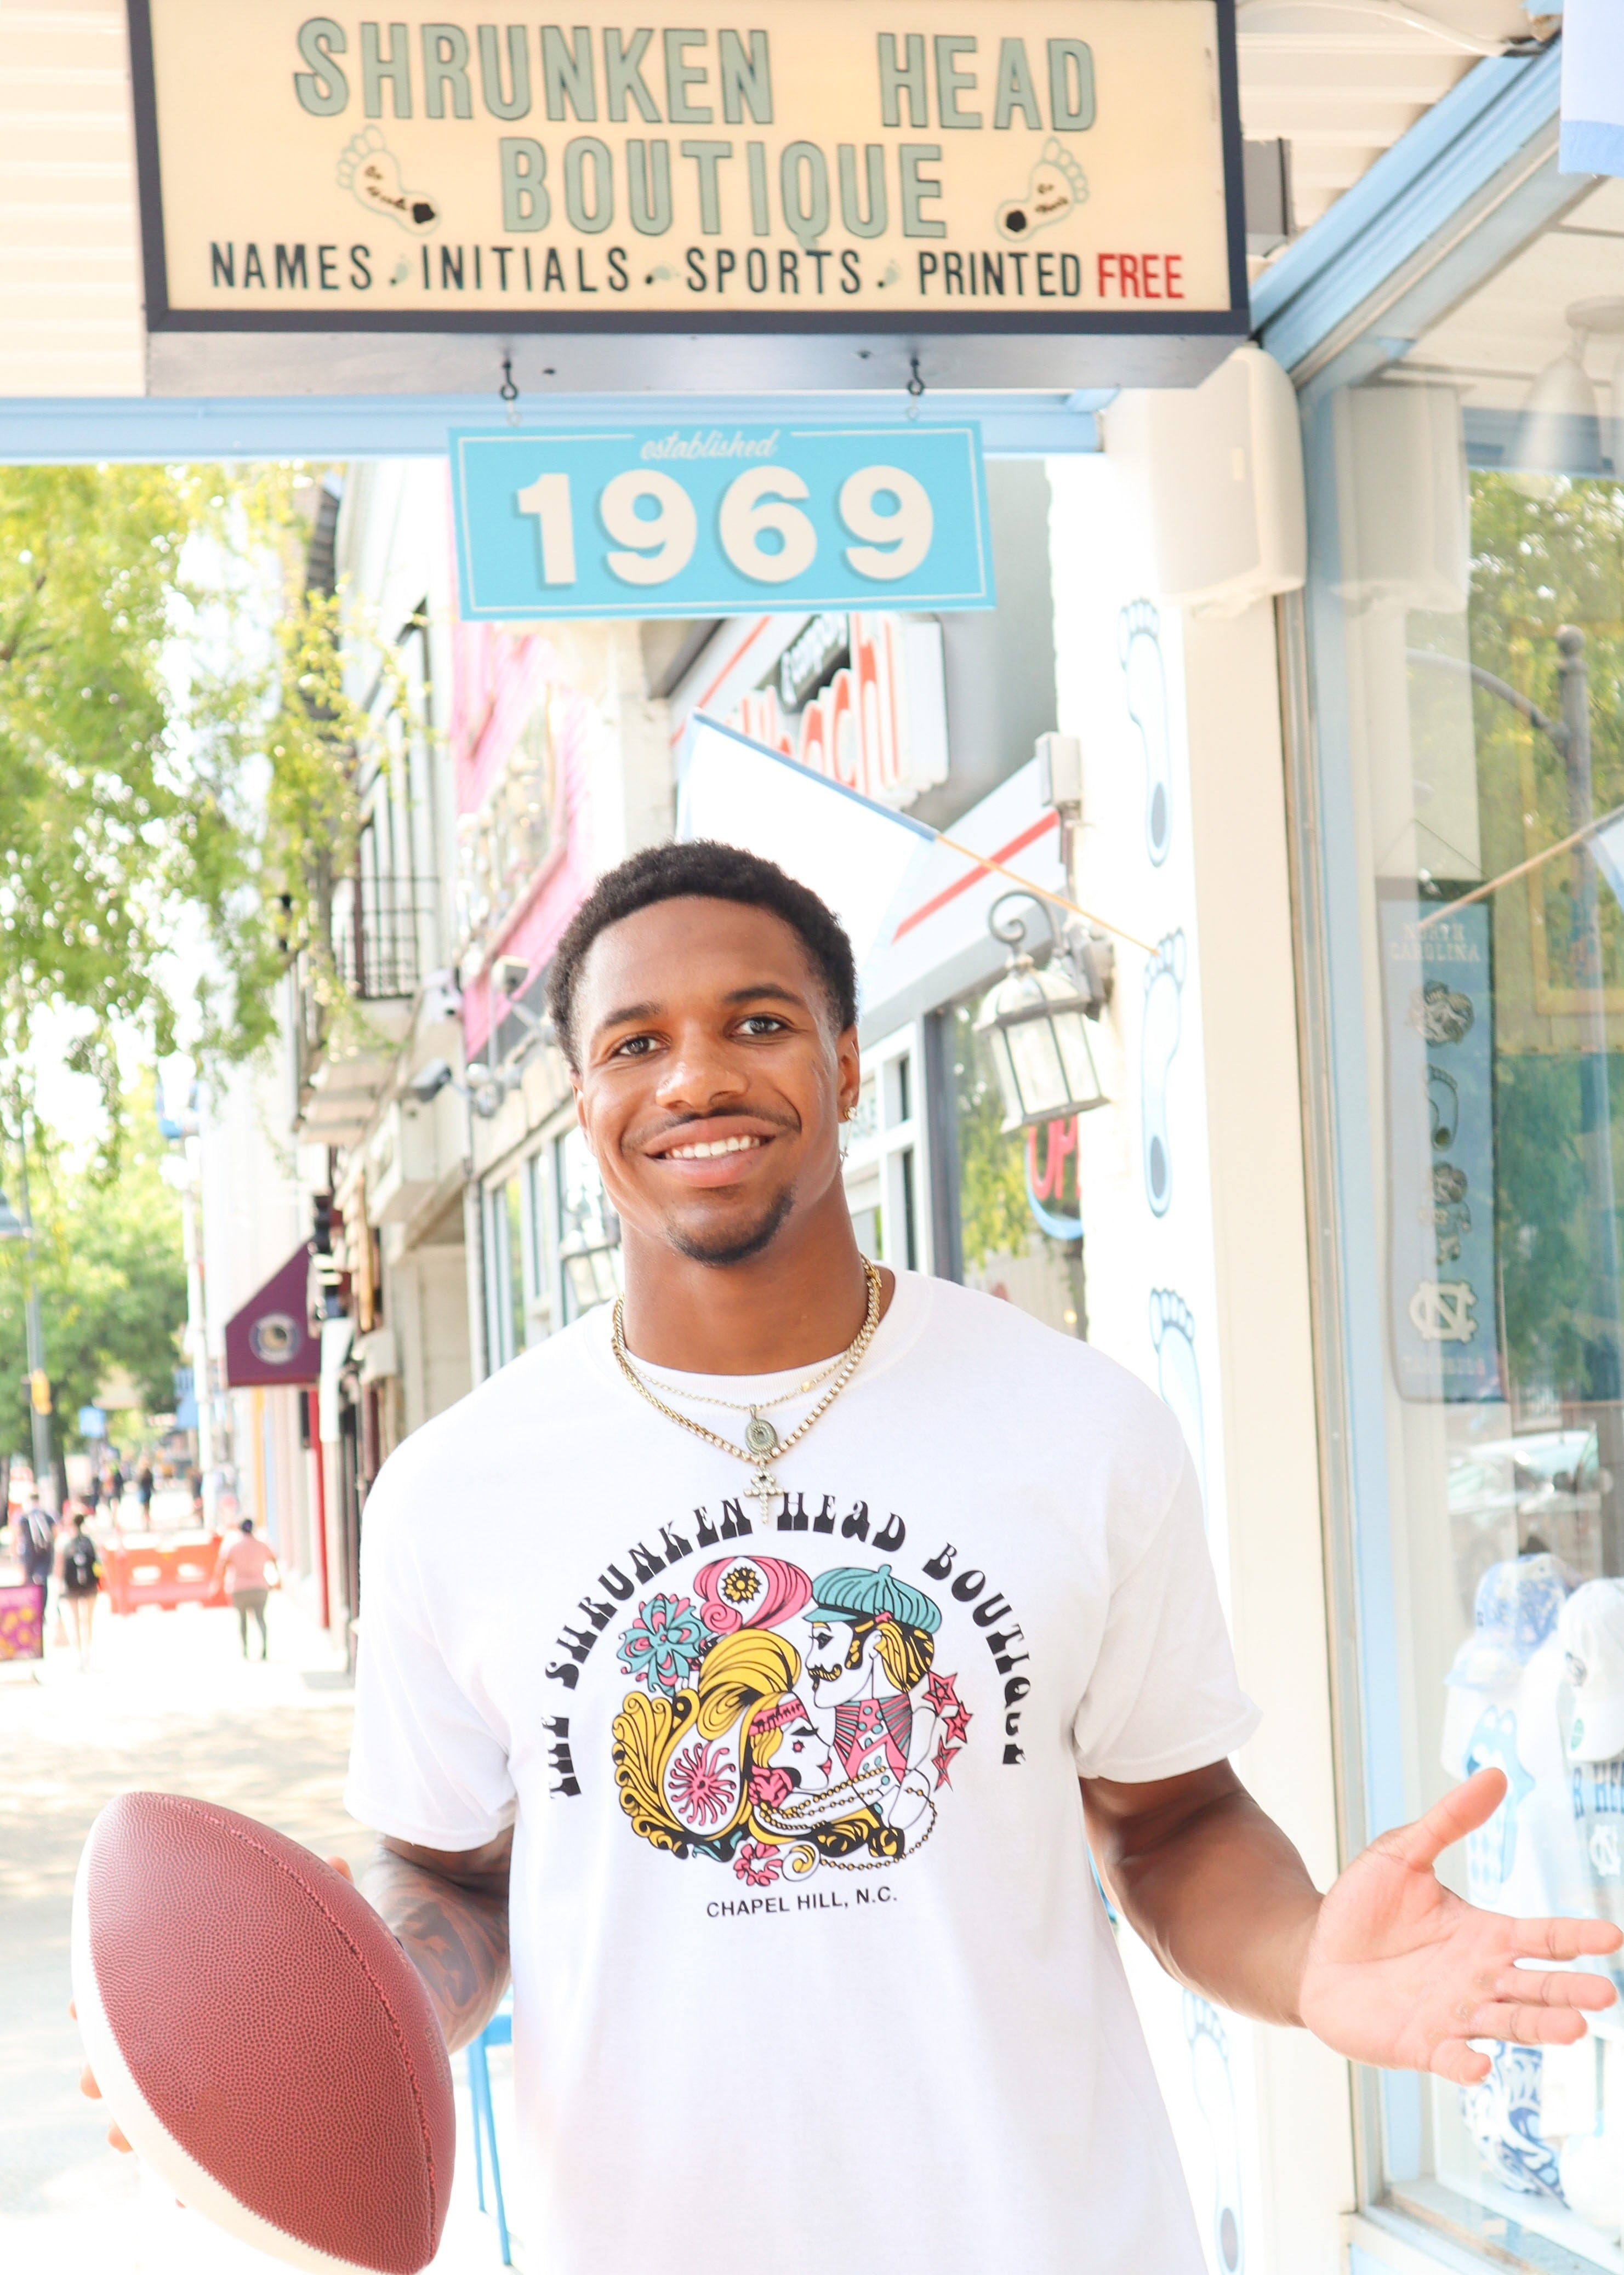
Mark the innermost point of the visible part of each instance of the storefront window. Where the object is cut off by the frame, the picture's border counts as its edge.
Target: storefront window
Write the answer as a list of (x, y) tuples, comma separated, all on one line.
[(884, 1145), (1469, 653), (1020, 1216), (504, 1207), (589, 1255)]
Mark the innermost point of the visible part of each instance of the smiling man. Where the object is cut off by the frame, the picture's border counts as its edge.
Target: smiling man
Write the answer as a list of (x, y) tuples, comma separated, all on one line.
[(869, 1605)]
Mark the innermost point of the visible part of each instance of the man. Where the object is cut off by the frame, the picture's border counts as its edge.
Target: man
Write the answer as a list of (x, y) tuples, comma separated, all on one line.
[(35, 1534), (670, 1829)]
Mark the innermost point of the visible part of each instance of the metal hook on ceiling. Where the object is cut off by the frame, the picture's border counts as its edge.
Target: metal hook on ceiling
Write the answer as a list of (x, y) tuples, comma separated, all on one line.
[(916, 387)]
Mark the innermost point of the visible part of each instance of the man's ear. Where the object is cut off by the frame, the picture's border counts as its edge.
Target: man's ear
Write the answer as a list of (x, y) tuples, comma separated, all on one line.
[(849, 1062)]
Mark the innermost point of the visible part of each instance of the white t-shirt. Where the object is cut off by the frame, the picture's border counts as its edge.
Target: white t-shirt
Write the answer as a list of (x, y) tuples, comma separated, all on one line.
[(809, 1965)]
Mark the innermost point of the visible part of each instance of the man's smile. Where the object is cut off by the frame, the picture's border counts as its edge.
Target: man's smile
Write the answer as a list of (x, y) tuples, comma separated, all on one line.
[(710, 1150), (707, 1149)]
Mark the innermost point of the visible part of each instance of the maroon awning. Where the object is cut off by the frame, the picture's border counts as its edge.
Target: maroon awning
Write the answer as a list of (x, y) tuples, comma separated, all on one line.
[(269, 1340)]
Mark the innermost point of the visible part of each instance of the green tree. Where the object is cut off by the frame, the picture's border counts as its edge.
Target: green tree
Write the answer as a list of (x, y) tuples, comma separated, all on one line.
[(123, 780), (1541, 561), (165, 763), (107, 1264), (994, 1215)]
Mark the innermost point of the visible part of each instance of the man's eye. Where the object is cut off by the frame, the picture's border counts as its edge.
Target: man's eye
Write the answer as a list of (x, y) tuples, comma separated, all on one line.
[(635, 1047), (760, 1022)]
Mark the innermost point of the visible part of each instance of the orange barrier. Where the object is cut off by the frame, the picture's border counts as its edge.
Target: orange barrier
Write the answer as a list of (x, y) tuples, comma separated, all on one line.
[(180, 1573)]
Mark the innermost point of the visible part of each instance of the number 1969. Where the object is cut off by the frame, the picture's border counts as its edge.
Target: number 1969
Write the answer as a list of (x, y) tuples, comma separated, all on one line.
[(652, 548)]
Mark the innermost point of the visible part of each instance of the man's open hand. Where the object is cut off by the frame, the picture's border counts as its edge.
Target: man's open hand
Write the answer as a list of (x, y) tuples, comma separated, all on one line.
[(1401, 1973)]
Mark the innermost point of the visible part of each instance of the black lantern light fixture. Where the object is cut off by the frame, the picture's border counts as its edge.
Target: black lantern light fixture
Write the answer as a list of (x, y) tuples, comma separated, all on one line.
[(1036, 1019)]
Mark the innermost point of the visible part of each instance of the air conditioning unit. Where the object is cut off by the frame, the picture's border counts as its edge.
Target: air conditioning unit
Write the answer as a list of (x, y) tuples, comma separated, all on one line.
[(1226, 493)]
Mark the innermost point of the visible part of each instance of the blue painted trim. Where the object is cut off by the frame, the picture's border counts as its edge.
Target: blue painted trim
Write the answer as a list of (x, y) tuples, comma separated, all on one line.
[(1359, 1205), (1343, 890), (1592, 145), (78, 430), (1408, 195), (1492, 437)]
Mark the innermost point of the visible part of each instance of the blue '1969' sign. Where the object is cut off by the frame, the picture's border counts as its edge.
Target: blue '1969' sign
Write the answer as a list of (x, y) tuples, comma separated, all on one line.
[(708, 521)]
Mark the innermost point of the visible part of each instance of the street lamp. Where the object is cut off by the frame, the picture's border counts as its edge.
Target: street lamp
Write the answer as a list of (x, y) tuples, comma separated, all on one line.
[(1036, 1023)]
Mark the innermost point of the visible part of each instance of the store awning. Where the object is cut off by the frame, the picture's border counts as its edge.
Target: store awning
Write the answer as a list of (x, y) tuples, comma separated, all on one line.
[(268, 1342)]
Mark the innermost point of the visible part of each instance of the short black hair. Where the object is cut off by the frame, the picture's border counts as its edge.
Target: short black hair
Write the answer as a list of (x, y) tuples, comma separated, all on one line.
[(701, 870)]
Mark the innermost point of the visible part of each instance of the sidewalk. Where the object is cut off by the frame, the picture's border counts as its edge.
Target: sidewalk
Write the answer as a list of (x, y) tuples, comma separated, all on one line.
[(168, 1703)]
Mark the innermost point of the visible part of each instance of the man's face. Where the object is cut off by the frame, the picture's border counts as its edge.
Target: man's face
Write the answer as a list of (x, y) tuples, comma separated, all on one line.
[(834, 1670), (711, 1084)]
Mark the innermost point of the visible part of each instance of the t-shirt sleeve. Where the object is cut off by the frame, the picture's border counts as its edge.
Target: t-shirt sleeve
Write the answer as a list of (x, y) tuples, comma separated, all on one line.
[(426, 1764), (1164, 1697)]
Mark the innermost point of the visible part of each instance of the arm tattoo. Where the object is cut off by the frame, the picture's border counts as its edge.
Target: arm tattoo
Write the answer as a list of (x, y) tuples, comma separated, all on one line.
[(449, 1910)]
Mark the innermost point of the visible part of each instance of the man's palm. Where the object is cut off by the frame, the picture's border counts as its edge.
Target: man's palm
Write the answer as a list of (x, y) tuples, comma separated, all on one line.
[(1401, 1973)]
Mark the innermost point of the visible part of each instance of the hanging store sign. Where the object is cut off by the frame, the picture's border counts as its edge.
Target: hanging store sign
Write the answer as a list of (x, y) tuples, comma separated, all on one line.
[(1052, 165), (879, 724), (715, 522), (268, 1343)]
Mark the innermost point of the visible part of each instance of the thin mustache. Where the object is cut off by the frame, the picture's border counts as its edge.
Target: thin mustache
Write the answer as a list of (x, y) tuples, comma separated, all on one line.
[(687, 1120)]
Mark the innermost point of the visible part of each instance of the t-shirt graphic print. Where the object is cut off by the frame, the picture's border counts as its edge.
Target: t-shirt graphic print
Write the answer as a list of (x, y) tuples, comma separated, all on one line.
[(805, 1778), (786, 1722)]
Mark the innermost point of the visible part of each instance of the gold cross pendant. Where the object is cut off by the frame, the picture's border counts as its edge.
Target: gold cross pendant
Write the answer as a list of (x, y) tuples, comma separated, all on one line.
[(767, 1489)]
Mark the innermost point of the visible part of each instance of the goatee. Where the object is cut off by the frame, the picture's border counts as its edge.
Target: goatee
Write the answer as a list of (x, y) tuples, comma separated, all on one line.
[(735, 1247)]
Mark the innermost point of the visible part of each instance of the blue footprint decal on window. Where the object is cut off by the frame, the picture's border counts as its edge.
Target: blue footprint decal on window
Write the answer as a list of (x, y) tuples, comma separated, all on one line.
[(1138, 642), (1173, 1331), (1209, 2061), (1164, 986)]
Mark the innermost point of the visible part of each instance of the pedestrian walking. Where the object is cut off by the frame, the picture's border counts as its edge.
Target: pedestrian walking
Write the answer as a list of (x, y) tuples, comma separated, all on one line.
[(143, 1492), (79, 1577), (249, 1570), (115, 1485), (94, 1495), (34, 1538)]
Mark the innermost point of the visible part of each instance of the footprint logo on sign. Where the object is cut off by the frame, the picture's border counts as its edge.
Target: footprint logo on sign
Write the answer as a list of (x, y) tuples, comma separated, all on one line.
[(1164, 987), (1209, 2061), (1139, 645), (370, 170), (1058, 187), (1178, 1377)]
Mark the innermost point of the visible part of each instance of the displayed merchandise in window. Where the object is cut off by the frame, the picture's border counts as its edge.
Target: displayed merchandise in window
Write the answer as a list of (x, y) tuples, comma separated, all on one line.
[(1469, 643)]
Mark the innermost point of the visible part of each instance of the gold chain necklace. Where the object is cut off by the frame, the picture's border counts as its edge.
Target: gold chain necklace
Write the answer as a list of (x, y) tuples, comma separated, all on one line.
[(762, 1443), (784, 1397)]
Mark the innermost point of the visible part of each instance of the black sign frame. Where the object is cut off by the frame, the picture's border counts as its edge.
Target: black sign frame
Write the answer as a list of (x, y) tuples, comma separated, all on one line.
[(1235, 322)]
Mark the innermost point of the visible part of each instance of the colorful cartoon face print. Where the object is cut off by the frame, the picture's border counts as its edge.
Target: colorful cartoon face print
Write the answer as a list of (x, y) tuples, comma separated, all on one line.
[(781, 1722)]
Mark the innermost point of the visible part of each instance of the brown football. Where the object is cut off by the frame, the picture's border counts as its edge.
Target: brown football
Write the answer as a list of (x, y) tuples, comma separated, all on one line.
[(260, 2037)]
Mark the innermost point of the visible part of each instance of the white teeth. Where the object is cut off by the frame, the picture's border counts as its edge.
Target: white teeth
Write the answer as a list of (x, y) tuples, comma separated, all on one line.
[(706, 1153)]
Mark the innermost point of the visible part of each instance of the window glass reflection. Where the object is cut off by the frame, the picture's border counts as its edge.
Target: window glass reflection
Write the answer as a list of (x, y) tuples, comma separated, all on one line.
[(1019, 1212), (1484, 632)]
